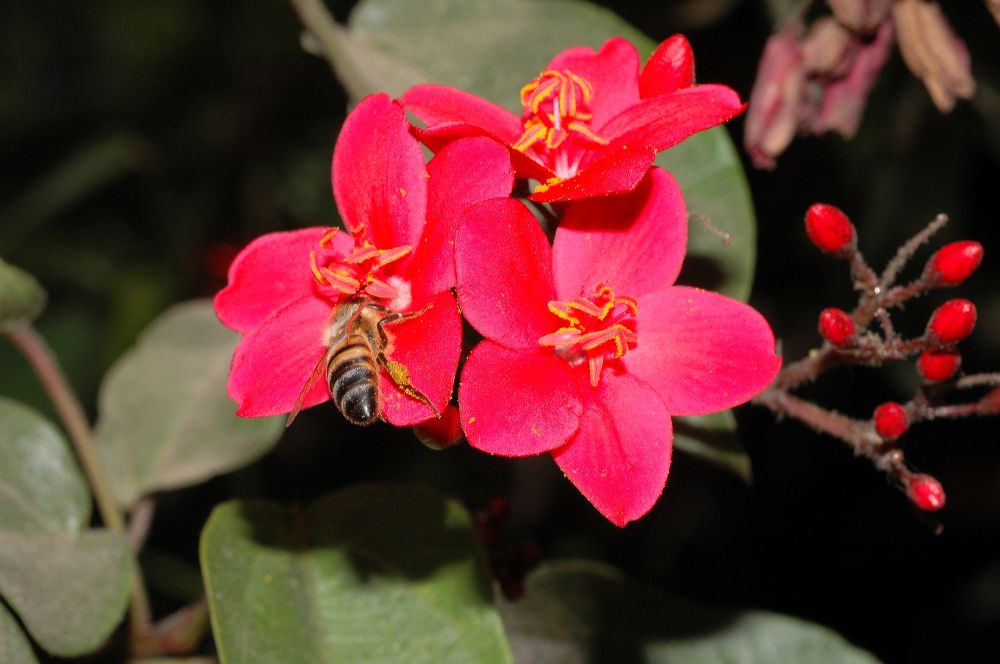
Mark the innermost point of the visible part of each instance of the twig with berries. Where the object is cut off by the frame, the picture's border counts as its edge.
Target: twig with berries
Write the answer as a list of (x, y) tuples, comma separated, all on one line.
[(867, 336)]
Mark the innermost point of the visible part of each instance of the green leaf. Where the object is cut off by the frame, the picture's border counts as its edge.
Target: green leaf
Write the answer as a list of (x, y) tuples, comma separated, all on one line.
[(70, 590), (713, 438), (717, 195), (166, 420), (14, 645), (21, 298), (579, 611), (370, 574), (41, 487), (493, 47)]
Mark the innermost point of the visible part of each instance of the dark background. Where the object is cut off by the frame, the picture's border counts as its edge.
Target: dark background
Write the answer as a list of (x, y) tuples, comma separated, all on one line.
[(144, 142)]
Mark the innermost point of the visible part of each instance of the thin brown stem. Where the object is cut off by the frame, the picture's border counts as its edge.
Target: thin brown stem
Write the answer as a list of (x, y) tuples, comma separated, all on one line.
[(905, 252), (41, 359), (978, 380), (43, 362)]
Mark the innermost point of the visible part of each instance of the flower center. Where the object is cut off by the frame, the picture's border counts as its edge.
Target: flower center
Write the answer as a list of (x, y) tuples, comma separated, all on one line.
[(598, 327), (557, 108), (358, 271)]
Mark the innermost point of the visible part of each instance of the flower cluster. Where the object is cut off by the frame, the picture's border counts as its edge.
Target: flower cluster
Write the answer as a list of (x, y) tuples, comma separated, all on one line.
[(588, 346)]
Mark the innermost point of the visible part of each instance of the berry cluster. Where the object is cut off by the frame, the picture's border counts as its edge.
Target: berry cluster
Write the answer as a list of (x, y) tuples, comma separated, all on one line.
[(866, 336)]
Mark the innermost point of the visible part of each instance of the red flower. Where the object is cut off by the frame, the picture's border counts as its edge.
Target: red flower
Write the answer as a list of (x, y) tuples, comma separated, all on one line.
[(592, 122), (285, 287), (589, 350)]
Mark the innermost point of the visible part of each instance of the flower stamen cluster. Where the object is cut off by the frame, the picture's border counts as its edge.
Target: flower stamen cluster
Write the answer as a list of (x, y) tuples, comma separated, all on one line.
[(556, 105), (356, 272), (600, 327)]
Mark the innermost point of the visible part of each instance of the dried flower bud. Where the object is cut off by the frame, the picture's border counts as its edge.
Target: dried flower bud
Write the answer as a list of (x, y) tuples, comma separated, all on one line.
[(933, 52), (891, 421), (776, 100), (994, 7), (925, 492), (831, 230), (860, 15), (952, 321), (844, 98), (953, 263), (938, 365), (836, 326), (825, 49)]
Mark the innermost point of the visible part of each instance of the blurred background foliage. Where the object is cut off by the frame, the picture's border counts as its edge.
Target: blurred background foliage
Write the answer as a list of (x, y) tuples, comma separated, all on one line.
[(144, 142)]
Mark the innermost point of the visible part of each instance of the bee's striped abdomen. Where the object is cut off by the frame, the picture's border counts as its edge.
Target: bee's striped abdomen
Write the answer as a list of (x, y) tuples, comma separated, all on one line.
[(353, 378)]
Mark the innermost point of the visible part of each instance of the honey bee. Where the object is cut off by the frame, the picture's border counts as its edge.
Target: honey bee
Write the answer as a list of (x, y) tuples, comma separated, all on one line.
[(357, 347)]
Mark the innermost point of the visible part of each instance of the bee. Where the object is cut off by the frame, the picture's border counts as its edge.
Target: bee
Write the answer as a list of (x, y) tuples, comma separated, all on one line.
[(357, 348)]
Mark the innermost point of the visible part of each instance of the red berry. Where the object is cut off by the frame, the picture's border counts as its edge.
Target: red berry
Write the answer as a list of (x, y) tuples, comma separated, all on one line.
[(938, 365), (836, 326), (926, 492), (891, 421), (830, 230), (953, 263), (952, 321)]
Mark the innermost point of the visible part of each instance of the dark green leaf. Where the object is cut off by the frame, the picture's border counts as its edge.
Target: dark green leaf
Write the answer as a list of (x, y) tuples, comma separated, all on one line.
[(713, 438), (41, 487), (21, 298), (493, 47), (166, 419), (70, 590), (577, 611), (369, 574), (14, 645)]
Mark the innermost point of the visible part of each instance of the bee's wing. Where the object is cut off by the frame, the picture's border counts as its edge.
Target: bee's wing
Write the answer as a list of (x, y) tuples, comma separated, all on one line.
[(310, 383)]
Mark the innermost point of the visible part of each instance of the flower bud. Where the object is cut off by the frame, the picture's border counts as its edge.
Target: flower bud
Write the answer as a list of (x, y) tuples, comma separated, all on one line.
[(836, 326), (952, 321), (891, 421), (776, 100), (938, 365), (925, 492), (830, 230), (953, 263)]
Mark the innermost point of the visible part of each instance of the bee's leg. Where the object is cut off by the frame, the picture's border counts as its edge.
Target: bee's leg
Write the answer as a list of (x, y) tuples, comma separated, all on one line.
[(401, 377), (384, 336)]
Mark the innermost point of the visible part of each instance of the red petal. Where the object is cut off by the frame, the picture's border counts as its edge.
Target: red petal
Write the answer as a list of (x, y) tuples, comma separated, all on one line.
[(466, 172), (670, 68), (702, 352), (635, 243), (620, 457), (274, 361), (428, 346), (504, 267), (270, 272), (378, 174), (617, 171), (438, 136), (613, 71), (517, 403), (437, 104), (666, 120)]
